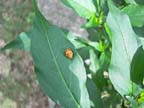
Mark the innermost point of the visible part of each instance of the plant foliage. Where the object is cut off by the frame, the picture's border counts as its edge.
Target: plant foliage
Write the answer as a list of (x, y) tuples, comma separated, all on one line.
[(103, 71)]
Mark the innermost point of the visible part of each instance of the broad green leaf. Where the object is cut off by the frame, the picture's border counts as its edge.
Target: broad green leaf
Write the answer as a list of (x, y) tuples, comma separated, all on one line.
[(61, 78), (137, 66), (85, 8), (136, 14), (22, 42), (124, 46), (130, 1), (94, 93)]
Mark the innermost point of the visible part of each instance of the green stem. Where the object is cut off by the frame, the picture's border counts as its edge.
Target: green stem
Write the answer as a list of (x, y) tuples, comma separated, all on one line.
[(99, 6), (100, 32), (34, 2), (99, 18)]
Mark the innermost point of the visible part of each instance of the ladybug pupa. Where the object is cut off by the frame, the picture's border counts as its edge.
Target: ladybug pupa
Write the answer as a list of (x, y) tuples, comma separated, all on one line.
[(69, 53)]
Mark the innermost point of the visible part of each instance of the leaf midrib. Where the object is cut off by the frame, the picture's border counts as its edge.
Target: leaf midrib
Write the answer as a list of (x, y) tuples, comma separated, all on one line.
[(128, 56), (61, 75)]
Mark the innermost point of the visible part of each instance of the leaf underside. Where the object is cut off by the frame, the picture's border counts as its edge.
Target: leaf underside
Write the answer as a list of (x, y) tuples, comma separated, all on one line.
[(124, 45)]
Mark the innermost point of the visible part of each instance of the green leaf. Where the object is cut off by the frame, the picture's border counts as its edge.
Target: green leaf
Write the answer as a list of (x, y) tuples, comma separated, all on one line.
[(119, 2), (94, 93), (84, 52), (130, 1), (94, 62), (99, 79), (139, 31), (141, 41), (61, 78), (137, 66), (80, 42), (73, 39), (85, 8), (22, 42), (95, 45), (105, 60), (93, 22), (140, 1), (93, 34), (108, 31), (136, 14), (133, 102), (124, 46), (140, 98)]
